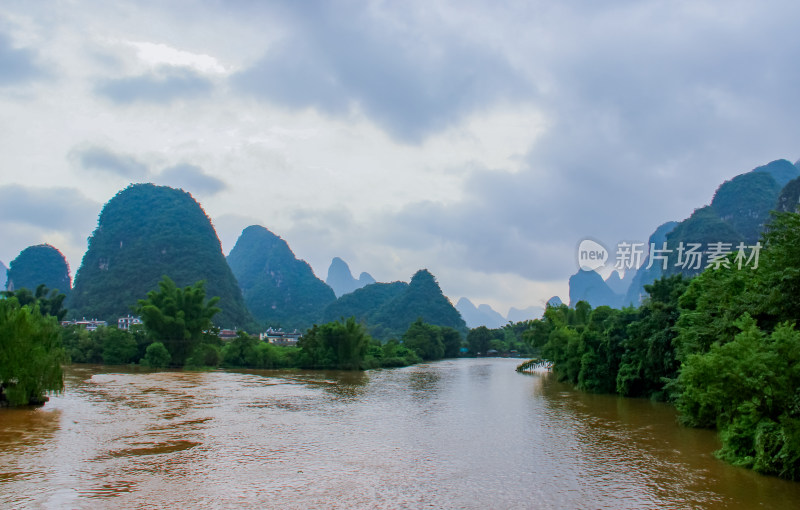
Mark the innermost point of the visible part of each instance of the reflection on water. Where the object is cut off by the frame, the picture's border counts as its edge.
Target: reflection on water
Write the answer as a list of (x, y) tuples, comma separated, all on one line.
[(452, 434)]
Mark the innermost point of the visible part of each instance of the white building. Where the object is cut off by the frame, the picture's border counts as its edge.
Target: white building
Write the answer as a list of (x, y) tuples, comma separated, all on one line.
[(280, 337), (90, 325), (128, 321)]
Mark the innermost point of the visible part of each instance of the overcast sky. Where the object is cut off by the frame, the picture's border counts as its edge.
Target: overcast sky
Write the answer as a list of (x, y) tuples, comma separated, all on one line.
[(480, 140)]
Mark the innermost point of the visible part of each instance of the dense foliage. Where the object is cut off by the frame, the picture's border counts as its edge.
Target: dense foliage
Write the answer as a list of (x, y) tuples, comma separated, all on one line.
[(279, 289), (723, 347), (512, 339), (30, 354), (143, 233), (179, 318), (49, 302), (39, 265)]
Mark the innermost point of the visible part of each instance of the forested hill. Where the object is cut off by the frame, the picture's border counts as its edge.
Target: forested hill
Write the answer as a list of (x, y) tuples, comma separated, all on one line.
[(389, 309), (737, 213), (279, 289), (144, 232), (36, 265)]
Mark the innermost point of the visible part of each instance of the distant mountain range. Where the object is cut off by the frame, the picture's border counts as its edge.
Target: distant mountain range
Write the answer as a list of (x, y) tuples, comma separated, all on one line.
[(737, 213), (341, 280), (485, 315)]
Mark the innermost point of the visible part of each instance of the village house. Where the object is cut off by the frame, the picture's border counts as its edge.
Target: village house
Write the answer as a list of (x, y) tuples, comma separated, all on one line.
[(280, 337), (128, 321), (90, 325)]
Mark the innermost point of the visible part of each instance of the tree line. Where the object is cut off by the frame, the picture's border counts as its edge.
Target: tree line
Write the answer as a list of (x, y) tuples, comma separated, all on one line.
[(178, 332)]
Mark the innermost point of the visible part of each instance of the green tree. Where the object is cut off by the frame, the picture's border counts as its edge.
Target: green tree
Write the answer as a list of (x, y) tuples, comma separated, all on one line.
[(30, 354), (241, 351), (452, 340), (650, 361), (339, 344), (478, 340), (156, 356), (119, 346), (49, 302), (424, 339), (178, 317)]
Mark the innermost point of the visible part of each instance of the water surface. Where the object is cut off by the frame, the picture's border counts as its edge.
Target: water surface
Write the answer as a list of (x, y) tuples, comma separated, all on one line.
[(468, 433)]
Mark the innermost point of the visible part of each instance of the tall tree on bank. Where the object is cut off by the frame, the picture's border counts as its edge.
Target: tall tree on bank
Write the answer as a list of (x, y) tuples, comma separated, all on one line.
[(340, 344), (178, 317), (30, 354)]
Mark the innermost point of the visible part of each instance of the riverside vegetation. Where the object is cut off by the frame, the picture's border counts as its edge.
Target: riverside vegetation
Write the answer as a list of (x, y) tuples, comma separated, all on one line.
[(178, 332), (723, 347)]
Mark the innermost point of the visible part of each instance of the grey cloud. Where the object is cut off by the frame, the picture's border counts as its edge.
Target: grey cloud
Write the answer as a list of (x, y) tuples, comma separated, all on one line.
[(645, 123), (101, 159), (191, 178), (17, 65), (410, 83), (162, 87), (229, 227), (47, 208)]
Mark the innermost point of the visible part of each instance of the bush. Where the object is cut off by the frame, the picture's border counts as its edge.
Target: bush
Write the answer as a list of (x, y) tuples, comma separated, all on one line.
[(156, 356)]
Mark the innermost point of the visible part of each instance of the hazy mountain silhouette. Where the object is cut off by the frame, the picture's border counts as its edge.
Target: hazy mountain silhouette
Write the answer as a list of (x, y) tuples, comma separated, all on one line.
[(644, 276), (482, 315), (525, 314), (341, 280), (589, 286)]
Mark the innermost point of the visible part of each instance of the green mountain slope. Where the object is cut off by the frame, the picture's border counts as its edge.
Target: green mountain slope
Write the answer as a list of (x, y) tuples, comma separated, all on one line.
[(363, 303), (279, 289), (36, 265), (388, 309), (143, 233)]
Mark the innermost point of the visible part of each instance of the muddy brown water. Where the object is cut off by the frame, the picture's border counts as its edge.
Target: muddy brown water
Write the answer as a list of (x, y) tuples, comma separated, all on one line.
[(468, 433)]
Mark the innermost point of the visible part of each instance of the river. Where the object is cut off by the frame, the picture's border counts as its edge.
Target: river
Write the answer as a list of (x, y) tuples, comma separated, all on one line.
[(469, 433)]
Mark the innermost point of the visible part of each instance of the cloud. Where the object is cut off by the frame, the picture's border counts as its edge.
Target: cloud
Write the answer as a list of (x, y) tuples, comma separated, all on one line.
[(45, 207), (162, 87), (17, 65), (191, 178), (230, 226), (63, 217), (410, 80), (103, 160)]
